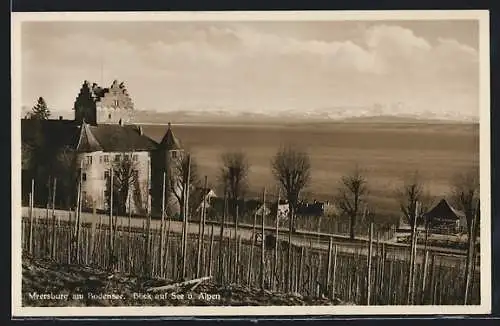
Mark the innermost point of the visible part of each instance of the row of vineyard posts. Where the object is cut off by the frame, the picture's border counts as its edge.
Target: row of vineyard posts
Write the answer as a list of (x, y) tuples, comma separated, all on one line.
[(286, 274)]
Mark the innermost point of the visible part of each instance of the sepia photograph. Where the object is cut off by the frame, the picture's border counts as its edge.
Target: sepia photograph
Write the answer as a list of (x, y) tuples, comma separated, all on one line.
[(285, 163)]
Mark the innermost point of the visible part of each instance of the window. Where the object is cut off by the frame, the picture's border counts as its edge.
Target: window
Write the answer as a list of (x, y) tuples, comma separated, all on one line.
[(125, 157), (106, 158), (109, 116), (116, 103), (117, 157), (174, 154), (89, 160), (84, 176), (134, 157), (106, 175), (100, 159)]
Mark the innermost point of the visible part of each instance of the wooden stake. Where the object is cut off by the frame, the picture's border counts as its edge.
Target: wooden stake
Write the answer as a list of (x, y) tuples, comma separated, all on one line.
[(201, 226), (250, 261), (162, 228), (329, 266), (78, 215), (334, 272), (276, 245), (147, 259), (53, 242), (210, 253), (186, 217), (263, 244), (32, 204), (111, 195), (370, 248)]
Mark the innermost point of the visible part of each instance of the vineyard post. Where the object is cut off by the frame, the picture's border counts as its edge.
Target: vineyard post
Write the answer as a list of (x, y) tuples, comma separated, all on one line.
[(301, 267), (32, 204), (147, 267), (424, 275), (48, 199), (250, 261), (203, 220), (53, 244), (210, 250), (415, 252), (334, 272), (200, 229), (236, 244), (78, 214), (186, 217), (370, 248), (129, 251), (412, 254), (329, 266), (263, 244), (162, 228), (223, 222), (92, 232), (111, 191), (276, 245)]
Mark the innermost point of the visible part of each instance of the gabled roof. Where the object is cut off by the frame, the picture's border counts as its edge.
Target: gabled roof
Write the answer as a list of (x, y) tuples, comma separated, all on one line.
[(443, 210), (85, 137), (169, 141), (113, 138)]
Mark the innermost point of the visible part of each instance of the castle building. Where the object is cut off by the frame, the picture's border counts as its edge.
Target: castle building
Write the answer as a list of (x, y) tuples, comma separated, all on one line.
[(98, 105), (104, 140)]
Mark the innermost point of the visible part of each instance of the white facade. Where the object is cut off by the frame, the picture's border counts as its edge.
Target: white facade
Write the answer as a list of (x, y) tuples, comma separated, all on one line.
[(96, 173), (113, 115)]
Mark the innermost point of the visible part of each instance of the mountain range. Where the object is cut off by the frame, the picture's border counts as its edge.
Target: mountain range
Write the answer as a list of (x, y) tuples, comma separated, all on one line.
[(376, 114)]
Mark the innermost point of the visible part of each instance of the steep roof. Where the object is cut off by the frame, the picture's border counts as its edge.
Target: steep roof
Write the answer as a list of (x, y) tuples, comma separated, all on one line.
[(444, 210), (169, 141), (84, 137), (113, 138)]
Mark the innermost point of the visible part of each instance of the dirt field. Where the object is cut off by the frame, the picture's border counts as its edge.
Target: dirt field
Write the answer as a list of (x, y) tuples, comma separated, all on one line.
[(386, 152), (50, 284)]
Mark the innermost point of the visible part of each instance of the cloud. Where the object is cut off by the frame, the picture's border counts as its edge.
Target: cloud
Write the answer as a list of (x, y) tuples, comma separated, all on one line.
[(243, 67)]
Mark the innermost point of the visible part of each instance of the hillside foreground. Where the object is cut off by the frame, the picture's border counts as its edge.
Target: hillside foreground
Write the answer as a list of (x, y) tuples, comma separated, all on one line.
[(49, 284)]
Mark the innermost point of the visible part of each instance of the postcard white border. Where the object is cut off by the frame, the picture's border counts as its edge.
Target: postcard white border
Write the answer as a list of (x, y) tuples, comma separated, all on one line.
[(485, 188)]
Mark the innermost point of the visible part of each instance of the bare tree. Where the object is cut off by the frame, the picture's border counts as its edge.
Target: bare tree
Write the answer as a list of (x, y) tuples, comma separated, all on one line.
[(179, 180), (125, 176), (412, 192), (233, 177), (292, 169), (351, 196), (413, 201), (466, 196)]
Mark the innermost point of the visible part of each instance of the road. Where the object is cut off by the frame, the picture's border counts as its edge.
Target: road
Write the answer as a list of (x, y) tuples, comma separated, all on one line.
[(318, 241)]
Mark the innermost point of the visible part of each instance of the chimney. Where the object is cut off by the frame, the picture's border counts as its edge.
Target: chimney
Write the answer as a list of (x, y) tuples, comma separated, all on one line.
[(60, 117)]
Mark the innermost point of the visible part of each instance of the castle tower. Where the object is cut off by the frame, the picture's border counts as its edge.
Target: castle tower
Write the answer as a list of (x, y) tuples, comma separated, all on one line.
[(166, 159), (99, 105), (84, 106)]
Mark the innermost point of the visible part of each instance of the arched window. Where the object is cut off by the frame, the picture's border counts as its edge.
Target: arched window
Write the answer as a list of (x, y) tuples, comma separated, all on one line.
[(109, 116)]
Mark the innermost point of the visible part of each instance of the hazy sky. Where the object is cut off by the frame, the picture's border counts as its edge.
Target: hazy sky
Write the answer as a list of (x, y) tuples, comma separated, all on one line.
[(258, 66)]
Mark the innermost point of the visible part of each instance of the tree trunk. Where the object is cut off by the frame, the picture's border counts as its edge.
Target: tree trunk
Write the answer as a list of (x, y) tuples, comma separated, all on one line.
[(352, 223)]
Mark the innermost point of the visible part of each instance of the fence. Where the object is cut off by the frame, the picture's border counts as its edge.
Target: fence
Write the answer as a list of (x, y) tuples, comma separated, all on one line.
[(379, 278)]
